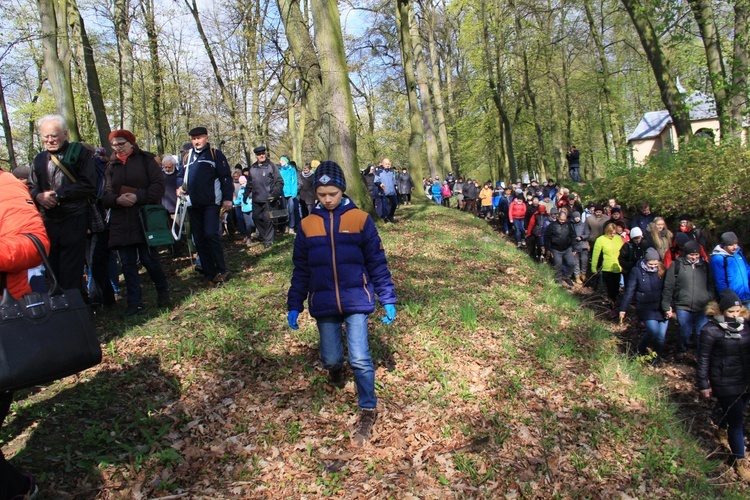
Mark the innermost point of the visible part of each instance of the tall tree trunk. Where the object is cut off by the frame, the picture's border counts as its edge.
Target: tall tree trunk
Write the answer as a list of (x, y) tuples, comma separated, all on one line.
[(660, 65), (526, 78), (147, 7), (740, 66), (407, 62), (227, 98), (339, 109), (57, 55), (703, 12), (303, 50), (493, 67), (437, 92), (92, 78), (428, 119), (121, 17), (7, 129), (605, 85)]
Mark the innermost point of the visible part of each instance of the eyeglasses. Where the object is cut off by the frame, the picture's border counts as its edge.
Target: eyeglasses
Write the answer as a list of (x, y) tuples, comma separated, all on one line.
[(119, 144)]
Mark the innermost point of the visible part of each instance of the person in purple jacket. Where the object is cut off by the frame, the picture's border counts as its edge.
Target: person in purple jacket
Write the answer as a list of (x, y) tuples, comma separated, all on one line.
[(339, 268)]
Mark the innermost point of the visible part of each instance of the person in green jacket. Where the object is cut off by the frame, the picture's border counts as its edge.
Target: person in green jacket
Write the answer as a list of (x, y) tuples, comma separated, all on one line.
[(607, 247)]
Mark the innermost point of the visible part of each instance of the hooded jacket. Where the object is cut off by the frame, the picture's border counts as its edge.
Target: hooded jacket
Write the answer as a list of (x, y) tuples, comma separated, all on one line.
[(736, 274), (18, 215), (289, 174), (723, 363), (646, 289), (687, 286), (339, 263)]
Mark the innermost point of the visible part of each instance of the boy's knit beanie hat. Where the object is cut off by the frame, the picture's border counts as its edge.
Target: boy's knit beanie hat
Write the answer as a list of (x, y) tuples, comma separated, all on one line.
[(681, 239), (329, 173), (636, 232)]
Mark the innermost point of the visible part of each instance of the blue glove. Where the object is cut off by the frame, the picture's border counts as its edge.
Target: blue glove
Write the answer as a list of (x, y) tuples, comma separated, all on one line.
[(291, 318), (390, 313)]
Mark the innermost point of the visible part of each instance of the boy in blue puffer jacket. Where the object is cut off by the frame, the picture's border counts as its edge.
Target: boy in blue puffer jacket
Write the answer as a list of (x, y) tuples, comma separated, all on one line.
[(339, 267)]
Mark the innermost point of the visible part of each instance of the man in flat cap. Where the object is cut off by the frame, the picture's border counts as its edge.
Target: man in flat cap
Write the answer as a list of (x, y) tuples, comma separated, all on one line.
[(208, 184), (265, 185)]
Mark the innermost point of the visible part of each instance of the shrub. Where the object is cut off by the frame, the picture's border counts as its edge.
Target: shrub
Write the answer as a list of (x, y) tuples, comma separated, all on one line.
[(711, 183)]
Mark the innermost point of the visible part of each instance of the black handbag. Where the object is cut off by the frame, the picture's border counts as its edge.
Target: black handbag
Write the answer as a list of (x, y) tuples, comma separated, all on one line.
[(44, 336)]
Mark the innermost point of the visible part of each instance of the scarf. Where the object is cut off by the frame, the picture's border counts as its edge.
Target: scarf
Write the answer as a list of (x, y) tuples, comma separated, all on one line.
[(731, 326), (306, 175), (123, 158), (647, 268)]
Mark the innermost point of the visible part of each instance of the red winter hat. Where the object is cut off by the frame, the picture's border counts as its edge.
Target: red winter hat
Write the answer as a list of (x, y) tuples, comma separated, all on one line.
[(125, 134)]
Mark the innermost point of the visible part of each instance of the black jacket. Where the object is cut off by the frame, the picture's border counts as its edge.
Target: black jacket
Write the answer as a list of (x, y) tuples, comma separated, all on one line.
[(264, 182), (73, 197), (208, 179), (630, 253), (559, 236), (723, 363)]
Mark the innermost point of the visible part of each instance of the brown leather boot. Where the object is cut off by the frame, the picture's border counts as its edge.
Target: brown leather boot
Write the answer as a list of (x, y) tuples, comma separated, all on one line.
[(743, 469)]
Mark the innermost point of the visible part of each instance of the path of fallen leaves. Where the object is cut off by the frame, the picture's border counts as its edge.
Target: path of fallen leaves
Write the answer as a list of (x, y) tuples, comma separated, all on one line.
[(517, 426)]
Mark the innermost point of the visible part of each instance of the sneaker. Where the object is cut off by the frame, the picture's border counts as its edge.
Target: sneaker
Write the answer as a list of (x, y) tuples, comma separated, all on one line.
[(364, 428), (134, 309), (267, 244), (162, 298), (336, 378), (743, 469)]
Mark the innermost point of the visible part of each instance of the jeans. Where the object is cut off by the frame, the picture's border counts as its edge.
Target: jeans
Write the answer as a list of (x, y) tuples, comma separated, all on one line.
[(689, 321), (292, 205), (734, 407), (437, 198), (575, 173), (559, 257), (129, 256), (332, 353), (581, 262), (656, 331), (241, 226), (520, 231)]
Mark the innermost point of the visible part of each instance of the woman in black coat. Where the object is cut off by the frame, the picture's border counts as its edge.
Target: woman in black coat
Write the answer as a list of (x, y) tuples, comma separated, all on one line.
[(645, 285), (134, 179), (724, 370)]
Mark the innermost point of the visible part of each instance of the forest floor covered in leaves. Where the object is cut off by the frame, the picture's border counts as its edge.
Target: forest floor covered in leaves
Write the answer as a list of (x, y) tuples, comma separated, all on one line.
[(492, 382)]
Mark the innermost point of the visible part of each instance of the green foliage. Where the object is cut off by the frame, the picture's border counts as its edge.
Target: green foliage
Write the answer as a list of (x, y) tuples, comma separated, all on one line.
[(706, 181)]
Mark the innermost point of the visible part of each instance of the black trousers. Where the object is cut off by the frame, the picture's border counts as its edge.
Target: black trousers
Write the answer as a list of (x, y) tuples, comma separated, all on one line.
[(262, 219), (205, 226), (12, 482), (67, 253), (100, 261)]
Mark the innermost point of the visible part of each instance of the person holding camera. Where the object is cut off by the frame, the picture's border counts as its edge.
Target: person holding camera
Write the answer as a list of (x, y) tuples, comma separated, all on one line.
[(574, 163)]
